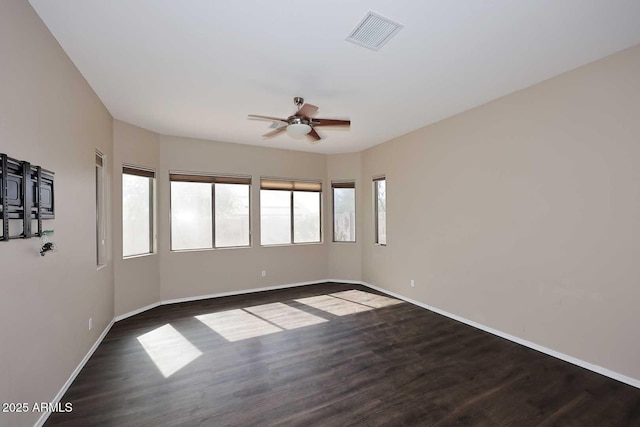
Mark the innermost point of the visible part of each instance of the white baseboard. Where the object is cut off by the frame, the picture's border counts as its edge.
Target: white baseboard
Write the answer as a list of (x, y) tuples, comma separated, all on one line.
[(590, 366), (218, 295), (350, 282), (136, 311), (242, 292), (45, 415)]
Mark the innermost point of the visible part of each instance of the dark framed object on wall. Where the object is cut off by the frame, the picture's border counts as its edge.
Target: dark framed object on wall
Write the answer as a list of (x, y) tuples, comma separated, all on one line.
[(26, 198)]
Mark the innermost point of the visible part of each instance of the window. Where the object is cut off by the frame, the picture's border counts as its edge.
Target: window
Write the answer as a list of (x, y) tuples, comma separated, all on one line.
[(344, 211), (290, 212), (101, 233), (380, 207), (137, 211), (209, 211), (191, 216)]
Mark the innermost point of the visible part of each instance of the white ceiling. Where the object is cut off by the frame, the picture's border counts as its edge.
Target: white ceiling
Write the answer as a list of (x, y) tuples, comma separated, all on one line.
[(196, 68)]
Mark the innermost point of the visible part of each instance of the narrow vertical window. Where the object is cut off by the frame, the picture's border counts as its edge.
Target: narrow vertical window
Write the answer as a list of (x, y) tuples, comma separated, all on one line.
[(344, 211), (101, 232), (380, 203), (137, 211), (290, 212)]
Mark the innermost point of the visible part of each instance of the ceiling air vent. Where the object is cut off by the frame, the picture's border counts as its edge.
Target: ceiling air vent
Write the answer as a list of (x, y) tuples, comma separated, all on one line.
[(373, 31)]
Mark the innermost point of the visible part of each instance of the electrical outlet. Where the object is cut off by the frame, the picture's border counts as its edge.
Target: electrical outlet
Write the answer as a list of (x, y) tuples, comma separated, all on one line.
[(264, 273), (90, 323), (413, 283)]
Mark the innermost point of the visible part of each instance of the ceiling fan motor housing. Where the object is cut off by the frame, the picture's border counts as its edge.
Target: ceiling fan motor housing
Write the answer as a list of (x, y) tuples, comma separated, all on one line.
[(297, 120)]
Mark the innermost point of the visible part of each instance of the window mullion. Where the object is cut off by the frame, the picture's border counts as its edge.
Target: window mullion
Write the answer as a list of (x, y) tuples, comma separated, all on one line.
[(213, 216), (333, 214), (151, 215), (292, 219), (250, 217), (375, 211), (320, 217)]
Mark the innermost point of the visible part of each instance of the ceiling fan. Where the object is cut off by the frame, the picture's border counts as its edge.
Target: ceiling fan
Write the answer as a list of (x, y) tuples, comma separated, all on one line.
[(301, 123)]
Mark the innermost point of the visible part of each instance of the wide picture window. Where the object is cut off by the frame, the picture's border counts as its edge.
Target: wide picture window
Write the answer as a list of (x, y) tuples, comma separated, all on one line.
[(290, 212), (209, 211)]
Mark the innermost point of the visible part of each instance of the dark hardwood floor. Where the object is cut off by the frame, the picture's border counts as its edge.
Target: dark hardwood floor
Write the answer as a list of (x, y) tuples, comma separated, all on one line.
[(329, 355)]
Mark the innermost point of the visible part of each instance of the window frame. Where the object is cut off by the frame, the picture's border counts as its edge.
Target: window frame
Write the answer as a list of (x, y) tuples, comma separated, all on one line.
[(343, 184), (376, 180), (145, 172), (292, 186), (102, 258), (212, 179)]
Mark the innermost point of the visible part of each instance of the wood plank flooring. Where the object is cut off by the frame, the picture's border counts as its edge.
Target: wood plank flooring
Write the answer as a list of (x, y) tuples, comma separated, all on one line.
[(329, 355)]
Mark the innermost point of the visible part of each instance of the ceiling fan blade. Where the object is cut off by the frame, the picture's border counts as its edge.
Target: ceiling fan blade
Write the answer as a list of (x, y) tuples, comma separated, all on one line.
[(267, 118), (313, 136), (331, 122), (275, 132), (307, 110)]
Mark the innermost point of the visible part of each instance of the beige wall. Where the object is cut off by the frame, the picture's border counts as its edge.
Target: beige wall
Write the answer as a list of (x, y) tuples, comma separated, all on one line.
[(49, 116), (344, 259), (136, 279), (186, 274), (524, 214)]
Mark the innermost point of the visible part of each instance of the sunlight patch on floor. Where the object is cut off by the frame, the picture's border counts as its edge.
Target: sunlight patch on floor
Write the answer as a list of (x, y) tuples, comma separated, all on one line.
[(333, 305), (259, 320), (285, 316), (367, 298), (236, 325), (168, 349)]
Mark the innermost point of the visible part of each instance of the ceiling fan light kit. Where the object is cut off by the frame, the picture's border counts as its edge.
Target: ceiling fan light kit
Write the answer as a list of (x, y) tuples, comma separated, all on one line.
[(298, 130), (301, 123)]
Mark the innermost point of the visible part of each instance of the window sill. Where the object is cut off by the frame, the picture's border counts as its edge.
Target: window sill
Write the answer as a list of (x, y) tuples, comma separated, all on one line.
[(138, 256), (208, 249), (101, 267), (344, 241), (281, 245)]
